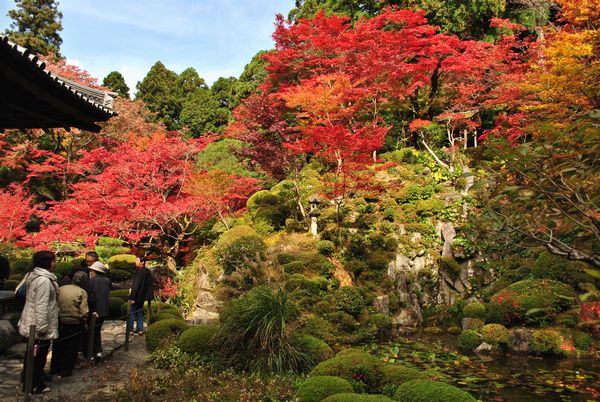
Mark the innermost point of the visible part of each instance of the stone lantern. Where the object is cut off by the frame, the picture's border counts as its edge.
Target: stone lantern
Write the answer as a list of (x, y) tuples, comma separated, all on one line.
[(314, 213)]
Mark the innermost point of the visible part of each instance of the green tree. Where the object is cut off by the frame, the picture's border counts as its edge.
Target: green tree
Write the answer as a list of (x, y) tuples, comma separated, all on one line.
[(203, 114), (36, 25), (253, 74), (116, 82), (158, 91), (225, 91)]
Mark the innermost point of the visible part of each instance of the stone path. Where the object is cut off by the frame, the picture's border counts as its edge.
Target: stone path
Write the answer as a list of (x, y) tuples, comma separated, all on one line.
[(113, 338)]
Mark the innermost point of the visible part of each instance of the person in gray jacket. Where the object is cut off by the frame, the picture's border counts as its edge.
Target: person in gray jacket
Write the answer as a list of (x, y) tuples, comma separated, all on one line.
[(100, 288), (41, 310)]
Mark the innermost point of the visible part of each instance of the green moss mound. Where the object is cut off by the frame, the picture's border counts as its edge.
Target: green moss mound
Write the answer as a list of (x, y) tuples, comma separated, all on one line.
[(551, 266), (163, 330), (496, 335), (474, 310), (351, 397), (351, 365), (531, 301), (237, 245), (317, 388), (350, 300), (164, 315), (546, 342), (468, 340), (197, 340), (325, 247), (117, 275), (431, 391), (315, 349), (397, 374)]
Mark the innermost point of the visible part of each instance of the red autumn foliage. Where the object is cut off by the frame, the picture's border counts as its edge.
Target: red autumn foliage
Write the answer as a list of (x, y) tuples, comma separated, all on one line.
[(16, 208)]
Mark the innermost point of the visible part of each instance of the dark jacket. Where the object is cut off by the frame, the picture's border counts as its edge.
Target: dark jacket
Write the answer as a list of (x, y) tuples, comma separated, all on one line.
[(142, 288), (100, 288)]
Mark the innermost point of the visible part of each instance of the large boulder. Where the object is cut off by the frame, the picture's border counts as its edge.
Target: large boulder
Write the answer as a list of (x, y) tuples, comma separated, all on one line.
[(8, 335)]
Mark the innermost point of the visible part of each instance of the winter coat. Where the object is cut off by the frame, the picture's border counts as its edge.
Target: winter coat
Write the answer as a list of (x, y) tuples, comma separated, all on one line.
[(142, 288), (41, 305), (73, 305), (100, 288)]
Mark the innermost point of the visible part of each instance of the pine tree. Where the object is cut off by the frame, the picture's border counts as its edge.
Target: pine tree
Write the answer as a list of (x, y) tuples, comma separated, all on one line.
[(36, 25), (116, 82)]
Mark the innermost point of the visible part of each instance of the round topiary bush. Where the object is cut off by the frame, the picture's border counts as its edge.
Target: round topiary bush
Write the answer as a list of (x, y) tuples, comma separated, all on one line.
[(237, 245), (546, 342), (121, 293), (198, 339), (496, 335), (163, 330), (122, 262), (533, 301), (431, 391), (325, 247), (397, 374), (117, 275), (351, 397), (469, 340), (164, 315), (316, 349), (354, 366), (454, 330), (114, 307), (350, 300), (474, 310), (552, 266), (315, 389), (474, 324)]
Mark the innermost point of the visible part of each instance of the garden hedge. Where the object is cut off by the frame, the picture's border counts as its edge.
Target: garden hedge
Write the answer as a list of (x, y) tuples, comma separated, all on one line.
[(315, 389), (351, 364), (197, 340), (162, 330)]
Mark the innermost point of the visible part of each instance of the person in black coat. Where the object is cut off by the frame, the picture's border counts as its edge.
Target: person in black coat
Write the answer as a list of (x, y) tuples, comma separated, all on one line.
[(142, 290), (4, 270), (100, 287)]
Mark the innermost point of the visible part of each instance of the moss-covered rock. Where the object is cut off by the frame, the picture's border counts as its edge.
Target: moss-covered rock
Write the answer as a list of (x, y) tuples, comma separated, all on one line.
[(315, 389), (474, 310), (546, 342), (495, 335), (433, 330), (431, 391), (468, 340), (533, 301), (354, 366), (197, 340), (162, 331)]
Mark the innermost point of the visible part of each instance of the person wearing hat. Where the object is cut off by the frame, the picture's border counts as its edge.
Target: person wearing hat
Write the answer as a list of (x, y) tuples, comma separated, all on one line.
[(100, 288), (73, 307)]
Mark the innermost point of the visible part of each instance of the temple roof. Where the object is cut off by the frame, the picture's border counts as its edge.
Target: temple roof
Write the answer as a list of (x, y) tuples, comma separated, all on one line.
[(33, 97)]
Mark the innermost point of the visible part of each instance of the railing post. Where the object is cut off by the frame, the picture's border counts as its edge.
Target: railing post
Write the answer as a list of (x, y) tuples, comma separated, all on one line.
[(127, 326), (90, 345), (29, 363)]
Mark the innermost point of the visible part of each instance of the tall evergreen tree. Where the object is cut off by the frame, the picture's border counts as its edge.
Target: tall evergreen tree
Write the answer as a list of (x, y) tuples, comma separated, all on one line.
[(116, 82), (36, 25), (158, 91)]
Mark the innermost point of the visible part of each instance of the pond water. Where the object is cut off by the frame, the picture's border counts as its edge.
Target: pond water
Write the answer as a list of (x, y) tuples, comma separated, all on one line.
[(507, 377)]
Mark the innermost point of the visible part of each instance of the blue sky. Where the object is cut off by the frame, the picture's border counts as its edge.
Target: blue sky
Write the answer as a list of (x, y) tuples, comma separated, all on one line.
[(216, 37)]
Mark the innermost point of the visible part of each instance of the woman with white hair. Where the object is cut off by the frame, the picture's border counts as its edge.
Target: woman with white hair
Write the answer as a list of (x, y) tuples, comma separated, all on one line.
[(100, 288)]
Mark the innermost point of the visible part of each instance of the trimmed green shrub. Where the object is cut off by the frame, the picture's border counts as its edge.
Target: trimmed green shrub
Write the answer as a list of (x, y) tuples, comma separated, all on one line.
[(533, 301), (454, 330), (267, 209), (121, 293), (198, 339), (164, 315), (315, 389), (314, 348), (431, 391), (379, 260), (429, 207), (360, 368), (433, 330), (356, 267), (474, 310), (20, 266), (581, 340), (351, 397), (495, 334), (473, 323), (397, 374), (162, 330), (122, 262), (552, 266), (109, 246), (236, 245), (63, 267), (117, 275), (298, 281), (350, 300), (469, 340), (546, 342), (325, 247), (382, 325), (114, 307)]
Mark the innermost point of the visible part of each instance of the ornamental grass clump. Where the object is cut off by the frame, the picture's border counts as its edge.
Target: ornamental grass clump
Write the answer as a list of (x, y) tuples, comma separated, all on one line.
[(255, 332)]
